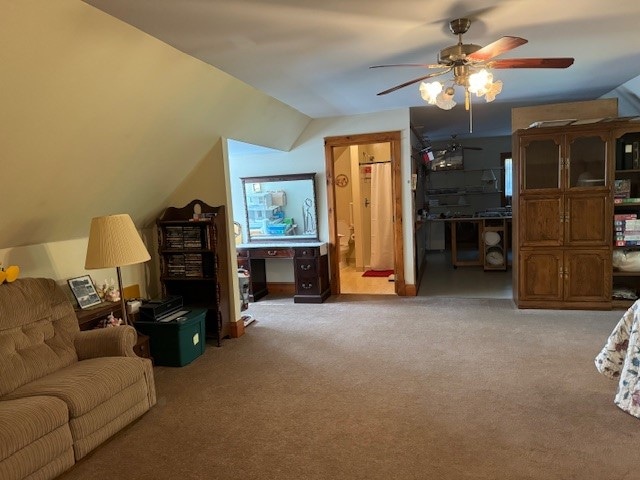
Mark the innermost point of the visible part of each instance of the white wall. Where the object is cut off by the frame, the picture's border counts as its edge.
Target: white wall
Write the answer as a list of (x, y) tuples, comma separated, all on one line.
[(307, 155)]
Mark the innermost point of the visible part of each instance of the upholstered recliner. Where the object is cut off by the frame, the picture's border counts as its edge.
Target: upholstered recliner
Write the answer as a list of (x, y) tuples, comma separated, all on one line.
[(62, 390)]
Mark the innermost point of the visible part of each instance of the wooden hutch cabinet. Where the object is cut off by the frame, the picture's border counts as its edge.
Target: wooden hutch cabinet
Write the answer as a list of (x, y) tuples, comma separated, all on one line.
[(563, 232), (192, 244)]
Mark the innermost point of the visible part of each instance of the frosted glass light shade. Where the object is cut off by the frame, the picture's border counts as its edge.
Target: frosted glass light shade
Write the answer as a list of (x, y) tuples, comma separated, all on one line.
[(429, 91), (445, 100), (114, 242)]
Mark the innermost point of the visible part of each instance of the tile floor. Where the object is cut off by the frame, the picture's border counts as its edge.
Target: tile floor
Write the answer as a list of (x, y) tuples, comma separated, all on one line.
[(352, 281)]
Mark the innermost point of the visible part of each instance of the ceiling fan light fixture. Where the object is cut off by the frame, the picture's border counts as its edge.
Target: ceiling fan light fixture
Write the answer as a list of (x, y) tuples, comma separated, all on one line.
[(429, 91), (494, 89), (480, 81), (445, 100)]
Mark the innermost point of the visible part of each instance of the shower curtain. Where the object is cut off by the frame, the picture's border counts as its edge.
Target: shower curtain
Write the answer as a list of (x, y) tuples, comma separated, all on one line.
[(381, 217)]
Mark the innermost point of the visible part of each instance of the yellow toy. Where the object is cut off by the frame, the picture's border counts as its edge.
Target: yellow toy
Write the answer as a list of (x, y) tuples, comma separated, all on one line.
[(9, 274)]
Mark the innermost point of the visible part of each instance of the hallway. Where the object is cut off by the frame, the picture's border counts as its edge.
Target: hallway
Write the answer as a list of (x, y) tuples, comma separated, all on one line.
[(439, 279)]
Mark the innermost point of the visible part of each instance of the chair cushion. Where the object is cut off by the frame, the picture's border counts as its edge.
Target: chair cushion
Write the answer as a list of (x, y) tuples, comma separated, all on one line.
[(35, 438), (85, 385), (37, 330), (25, 420)]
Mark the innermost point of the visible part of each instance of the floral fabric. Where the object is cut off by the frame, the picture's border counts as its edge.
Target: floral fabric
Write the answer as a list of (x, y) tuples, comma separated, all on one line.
[(620, 360)]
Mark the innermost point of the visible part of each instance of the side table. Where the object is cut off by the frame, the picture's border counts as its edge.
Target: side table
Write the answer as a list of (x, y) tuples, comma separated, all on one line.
[(90, 317)]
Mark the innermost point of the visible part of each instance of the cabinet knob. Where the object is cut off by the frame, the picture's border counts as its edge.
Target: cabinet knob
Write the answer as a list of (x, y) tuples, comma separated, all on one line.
[(307, 286), (305, 266), (272, 253)]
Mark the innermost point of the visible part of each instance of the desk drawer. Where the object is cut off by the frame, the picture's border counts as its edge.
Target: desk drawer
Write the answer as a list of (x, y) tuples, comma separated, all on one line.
[(275, 252), (307, 252), (306, 267), (308, 286)]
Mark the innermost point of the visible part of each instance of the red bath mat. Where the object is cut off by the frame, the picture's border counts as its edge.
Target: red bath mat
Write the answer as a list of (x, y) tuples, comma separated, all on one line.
[(377, 273)]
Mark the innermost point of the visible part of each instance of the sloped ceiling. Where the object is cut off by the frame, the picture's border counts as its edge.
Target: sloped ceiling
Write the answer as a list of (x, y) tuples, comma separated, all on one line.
[(100, 118), (315, 55)]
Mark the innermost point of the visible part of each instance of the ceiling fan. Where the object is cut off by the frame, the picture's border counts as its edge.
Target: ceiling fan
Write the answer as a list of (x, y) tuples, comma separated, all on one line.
[(467, 60), (455, 145)]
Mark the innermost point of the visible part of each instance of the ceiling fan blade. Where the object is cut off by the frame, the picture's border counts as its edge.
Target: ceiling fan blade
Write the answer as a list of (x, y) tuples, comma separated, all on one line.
[(411, 82), (559, 62), (423, 65), (494, 49)]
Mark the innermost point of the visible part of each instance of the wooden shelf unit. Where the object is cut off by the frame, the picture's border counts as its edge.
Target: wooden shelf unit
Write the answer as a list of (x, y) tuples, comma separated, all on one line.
[(192, 243), (89, 318), (564, 206)]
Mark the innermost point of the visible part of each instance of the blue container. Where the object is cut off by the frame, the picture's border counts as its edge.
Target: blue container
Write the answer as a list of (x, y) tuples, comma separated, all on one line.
[(277, 229)]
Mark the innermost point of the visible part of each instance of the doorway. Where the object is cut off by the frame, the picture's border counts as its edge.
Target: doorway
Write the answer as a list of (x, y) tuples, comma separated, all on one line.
[(344, 218)]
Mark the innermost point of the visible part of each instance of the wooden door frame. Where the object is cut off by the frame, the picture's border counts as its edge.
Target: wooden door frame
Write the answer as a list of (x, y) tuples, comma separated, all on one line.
[(394, 138)]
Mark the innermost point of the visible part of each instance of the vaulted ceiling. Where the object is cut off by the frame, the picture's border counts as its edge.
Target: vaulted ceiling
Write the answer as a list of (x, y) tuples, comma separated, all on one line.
[(315, 55)]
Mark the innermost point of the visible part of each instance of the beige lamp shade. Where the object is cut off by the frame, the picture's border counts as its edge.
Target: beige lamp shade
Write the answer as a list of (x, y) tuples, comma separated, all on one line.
[(114, 242)]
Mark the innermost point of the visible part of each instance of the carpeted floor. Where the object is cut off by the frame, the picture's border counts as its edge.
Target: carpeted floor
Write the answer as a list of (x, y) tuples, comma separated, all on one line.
[(386, 388)]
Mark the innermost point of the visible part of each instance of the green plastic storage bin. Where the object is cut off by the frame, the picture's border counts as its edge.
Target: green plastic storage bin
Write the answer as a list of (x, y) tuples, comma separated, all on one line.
[(176, 343)]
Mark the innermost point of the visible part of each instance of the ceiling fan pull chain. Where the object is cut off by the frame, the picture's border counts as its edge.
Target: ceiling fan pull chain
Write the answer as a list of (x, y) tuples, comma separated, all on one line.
[(467, 105)]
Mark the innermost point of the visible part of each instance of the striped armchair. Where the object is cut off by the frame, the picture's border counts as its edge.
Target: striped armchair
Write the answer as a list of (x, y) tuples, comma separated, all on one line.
[(62, 391)]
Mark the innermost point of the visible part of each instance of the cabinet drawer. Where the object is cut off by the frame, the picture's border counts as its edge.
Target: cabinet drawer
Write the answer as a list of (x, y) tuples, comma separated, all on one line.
[(306, 267), (307, 252), (275, 252), (308, 286)]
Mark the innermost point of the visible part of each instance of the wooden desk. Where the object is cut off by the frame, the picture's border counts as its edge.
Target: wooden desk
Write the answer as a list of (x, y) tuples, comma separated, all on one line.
[(89, 318), (310, 264)]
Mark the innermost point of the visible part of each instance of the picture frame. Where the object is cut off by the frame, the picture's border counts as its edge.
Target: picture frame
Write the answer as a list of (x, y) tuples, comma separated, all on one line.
[(84, 291)]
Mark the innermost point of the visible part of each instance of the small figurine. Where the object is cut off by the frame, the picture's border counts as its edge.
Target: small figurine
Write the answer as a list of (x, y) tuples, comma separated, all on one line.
[(9, 274), (110, 321), (111, 292)]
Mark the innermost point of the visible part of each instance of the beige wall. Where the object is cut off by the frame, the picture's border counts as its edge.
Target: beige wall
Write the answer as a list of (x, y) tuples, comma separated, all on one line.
[(101, 118), (98, 118)]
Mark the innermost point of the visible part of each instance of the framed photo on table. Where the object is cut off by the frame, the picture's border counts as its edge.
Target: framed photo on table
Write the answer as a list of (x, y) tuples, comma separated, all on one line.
[(84, 291)]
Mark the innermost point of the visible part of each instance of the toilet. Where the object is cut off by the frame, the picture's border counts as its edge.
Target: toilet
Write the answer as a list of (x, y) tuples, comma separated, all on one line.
[(346, 239)]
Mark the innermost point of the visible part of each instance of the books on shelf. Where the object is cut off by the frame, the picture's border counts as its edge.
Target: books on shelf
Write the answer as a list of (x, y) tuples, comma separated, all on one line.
[(627, 243), (625, 216), (629, 200), (626, 229)]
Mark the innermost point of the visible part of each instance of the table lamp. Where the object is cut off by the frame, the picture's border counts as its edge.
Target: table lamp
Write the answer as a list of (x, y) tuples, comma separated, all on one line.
[(115, 242)]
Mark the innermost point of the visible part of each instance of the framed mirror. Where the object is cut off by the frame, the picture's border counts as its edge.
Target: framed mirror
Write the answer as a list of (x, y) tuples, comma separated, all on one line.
[(280, 208)]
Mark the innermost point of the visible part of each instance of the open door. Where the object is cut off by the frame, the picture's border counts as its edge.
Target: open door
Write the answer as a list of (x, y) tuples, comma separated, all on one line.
[(332, 145)]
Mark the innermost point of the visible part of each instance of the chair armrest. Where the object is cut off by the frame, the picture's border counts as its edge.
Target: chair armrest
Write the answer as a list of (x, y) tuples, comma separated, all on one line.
[(106, 342)]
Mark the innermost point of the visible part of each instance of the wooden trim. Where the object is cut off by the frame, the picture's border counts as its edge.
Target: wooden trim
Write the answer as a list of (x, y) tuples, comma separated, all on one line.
[(411, 290), (281, 288), (236, 329), (394, 138)]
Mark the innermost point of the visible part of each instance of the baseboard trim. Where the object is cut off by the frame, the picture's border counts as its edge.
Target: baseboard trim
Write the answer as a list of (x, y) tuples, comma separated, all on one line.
[(410, 290), (282, 288)]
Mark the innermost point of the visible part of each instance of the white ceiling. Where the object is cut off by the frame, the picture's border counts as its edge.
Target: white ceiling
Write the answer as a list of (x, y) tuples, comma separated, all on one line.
[(315, 55)]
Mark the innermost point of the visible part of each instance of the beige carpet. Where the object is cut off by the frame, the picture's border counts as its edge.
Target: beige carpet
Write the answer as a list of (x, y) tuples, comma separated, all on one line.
[(386, 388)]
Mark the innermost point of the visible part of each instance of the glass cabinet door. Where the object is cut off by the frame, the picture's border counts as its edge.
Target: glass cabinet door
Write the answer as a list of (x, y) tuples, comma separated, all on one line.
[(587, 161), (541, 164)]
